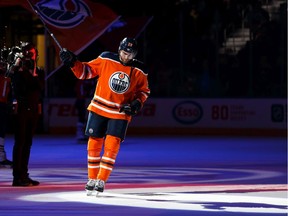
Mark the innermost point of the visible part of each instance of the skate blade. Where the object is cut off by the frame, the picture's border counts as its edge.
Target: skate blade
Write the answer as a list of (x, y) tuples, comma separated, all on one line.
[(93, 193), (89, 193)]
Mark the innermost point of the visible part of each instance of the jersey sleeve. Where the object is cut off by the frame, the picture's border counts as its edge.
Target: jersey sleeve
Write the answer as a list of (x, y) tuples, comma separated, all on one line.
[(87, 70), (143, 91)]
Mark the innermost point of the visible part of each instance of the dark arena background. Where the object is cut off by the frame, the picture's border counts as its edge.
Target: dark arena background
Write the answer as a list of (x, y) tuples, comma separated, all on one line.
[(210, 141)]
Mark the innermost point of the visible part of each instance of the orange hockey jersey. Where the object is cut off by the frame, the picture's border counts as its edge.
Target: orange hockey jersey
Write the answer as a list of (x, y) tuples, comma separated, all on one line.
[(117, 84), (5, 87)]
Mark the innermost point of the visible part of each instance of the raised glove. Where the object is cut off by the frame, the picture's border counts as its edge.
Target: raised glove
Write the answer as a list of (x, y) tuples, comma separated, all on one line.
[(131, 109), (67, 57)]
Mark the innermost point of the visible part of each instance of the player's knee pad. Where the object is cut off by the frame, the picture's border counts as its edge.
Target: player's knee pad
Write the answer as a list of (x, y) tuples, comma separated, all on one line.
[(112, 146)]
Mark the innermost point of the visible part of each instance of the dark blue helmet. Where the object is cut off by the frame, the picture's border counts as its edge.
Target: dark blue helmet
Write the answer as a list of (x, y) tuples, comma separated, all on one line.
[(129, 45)]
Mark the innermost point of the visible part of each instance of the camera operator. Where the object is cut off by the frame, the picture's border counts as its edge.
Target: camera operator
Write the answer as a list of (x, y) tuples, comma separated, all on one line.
[(28, 85)]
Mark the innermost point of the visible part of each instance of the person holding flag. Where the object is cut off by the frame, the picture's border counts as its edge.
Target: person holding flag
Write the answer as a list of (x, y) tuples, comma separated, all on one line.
[(121, 91)]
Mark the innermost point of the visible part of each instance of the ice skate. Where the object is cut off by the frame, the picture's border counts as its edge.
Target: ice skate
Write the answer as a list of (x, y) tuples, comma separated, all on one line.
[(99, 186), (90, 186)]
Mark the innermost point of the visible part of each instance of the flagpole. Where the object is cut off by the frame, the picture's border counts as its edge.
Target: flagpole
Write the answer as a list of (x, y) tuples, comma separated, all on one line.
[(47, 29)]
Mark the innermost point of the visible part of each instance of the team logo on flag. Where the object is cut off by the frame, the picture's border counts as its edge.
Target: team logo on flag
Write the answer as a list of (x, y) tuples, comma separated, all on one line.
[(63, 13), (119, 82)]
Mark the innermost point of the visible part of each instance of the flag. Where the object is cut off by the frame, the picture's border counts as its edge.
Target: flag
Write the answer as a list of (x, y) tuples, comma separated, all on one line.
[(74, 23)]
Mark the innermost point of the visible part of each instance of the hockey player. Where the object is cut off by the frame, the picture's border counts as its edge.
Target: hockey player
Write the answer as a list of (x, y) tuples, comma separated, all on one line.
[(121, 91), (5, 96)]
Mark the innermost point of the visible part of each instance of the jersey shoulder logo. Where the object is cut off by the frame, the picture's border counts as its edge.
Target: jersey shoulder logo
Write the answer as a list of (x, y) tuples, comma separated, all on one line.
[(119, 82), (62, 13)]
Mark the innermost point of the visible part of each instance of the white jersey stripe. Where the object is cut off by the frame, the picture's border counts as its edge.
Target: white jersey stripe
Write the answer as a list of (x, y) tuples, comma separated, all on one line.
[(106, 101), (106, 110)]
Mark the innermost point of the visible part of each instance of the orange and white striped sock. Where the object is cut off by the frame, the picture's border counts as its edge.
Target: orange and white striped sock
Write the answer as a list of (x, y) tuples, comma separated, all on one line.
[(111, 149), (93, 158)]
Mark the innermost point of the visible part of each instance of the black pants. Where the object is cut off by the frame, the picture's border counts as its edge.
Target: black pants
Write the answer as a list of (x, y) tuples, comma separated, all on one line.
[(100, 126), (25, 126)]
